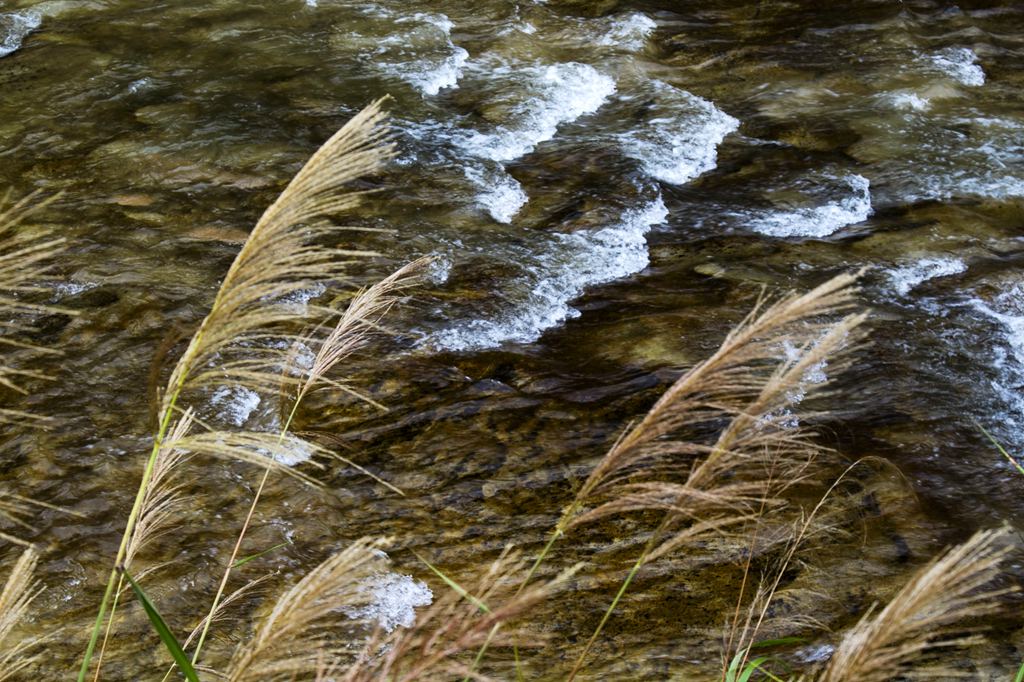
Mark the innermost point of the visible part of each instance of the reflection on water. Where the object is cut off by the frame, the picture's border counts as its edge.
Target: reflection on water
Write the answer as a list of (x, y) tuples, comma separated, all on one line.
[(607, 186)]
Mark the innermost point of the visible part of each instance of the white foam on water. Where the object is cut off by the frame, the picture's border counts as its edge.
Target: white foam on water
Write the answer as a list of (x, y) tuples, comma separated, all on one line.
[(819, 221), (1007, 309), (441, 21), (299, 299), (236, 403), (139, 85), (906, 277), (14, 27), (301, 359), (629, 32), (960, 64), (906, 99), (813, 375), (419, 50), (992, 187), (816, 653), (440, 269), (393, 600), (65, 289), (444, 75), (293, 451), (557, 94), (583, 259), (502, 195), (679, 141), (965, 156), (430, 75)]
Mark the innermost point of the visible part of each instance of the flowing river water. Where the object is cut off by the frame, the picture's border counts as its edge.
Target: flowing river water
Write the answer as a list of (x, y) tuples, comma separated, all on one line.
[(606, 187)]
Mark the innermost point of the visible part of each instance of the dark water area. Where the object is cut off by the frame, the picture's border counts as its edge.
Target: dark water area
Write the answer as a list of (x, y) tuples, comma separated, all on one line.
[(607, 188)]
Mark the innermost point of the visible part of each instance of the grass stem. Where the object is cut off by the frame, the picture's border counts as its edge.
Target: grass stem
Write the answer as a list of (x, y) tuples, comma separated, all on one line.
[(112, 581), (241, 535)]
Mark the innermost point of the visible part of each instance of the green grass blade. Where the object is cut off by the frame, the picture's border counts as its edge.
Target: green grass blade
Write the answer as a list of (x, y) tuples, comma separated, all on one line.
[(462, 592), (1014, 462), (751, 668), (734, 666), (165, 632), (1020, 674), (244, 560), (765, 643)]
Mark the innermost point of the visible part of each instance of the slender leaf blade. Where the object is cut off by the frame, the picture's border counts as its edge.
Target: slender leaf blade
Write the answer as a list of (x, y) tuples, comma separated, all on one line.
[(765, 643), (752, 666), (462, 592), (1013, 461), (166, 636), (244, 560)]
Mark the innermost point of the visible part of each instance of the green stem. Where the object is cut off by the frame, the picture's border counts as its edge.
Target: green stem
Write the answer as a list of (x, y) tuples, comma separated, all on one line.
[(607, 614), (640, 561), (147, 474), (558, 532)]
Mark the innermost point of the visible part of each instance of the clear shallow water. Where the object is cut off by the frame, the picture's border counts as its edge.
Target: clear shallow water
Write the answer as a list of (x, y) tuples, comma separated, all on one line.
[(606, 189)]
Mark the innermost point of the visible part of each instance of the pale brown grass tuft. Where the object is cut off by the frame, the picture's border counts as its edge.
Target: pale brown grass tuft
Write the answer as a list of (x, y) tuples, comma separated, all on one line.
[(18, 593), (435, 647), (244, 340), (27, 256), (163, 495), (355, 325), (729, 435), (282, 258), (927, 615), (307, 619)]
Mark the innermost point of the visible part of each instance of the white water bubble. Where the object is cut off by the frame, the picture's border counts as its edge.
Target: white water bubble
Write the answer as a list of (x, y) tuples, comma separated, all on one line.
[(1007, 352), (819, 221), (14, 27), (418, 50), (906, 277), (431, 77), (439, 270), (502, 196), (394, 599), (555, 94), (629, 32), (908, 100), (679, 140), (295, 452), (960, 64), (236, 403), (66, 289), (578, 261)]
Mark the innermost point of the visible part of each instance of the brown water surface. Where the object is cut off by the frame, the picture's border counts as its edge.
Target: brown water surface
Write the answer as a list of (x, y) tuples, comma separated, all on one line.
[(607, 187)]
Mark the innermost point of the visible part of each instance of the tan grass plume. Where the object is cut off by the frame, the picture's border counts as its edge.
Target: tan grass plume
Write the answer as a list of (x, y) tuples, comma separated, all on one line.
[(439, 644), (289, 642), (728, 434), (927, 615), (284, 256), (19, 591)]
